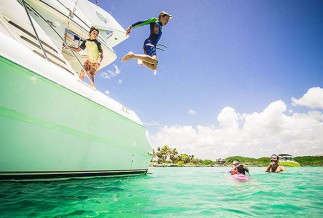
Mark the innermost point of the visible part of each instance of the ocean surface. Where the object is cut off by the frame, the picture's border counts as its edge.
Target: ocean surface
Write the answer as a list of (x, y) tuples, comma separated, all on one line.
[(171, 192)]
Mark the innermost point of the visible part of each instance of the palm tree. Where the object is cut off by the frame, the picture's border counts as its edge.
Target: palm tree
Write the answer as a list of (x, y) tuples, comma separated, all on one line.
[(159, 155), (154, 155), (166, 151), (185, 158), (174, 155), (191, 158)]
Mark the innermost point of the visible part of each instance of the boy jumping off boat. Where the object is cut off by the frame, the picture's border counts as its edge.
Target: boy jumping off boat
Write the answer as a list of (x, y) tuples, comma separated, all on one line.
[(94, 52), (149, 58)]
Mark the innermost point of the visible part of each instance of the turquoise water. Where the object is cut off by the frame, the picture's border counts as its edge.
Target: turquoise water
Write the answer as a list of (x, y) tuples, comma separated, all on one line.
[(171, 192)]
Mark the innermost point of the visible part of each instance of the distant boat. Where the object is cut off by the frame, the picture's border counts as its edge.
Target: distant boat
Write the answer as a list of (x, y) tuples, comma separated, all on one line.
[(53, 125), (220, 162), (288, 160)]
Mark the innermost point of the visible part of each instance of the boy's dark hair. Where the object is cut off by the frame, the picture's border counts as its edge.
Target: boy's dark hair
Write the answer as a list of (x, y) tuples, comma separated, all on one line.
[(163, 14), (242, 169), (93, 28)]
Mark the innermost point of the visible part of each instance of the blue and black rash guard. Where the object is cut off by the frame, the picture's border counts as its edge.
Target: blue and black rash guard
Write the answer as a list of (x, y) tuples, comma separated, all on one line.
[(153, 38)]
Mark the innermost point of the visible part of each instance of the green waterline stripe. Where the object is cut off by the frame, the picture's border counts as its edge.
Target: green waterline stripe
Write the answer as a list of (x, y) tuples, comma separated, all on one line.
[(58, 175), (15, 115), (32, 73), (68, 171)]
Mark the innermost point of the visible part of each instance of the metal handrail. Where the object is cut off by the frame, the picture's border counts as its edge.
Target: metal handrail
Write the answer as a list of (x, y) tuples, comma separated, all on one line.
[(72, 13), (32, 24), (38, 14)]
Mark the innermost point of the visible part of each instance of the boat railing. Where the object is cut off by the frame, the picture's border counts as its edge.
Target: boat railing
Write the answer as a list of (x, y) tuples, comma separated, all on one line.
[(27, 6), (36, 34), (72, 13)]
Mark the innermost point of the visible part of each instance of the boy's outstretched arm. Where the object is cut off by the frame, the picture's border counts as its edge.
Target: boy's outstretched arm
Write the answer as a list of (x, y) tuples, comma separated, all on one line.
[(141, 23)]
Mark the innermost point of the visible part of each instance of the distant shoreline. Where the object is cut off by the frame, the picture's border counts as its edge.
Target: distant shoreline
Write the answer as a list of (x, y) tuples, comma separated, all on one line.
[(170, 157), (175, 165)]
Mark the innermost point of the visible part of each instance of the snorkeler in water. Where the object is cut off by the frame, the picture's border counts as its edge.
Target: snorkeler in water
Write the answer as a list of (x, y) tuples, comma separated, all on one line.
[(237, 168), (149, 58), (274, 166)]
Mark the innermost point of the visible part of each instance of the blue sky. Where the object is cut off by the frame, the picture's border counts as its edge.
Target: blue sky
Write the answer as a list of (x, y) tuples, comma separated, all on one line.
[(231, 69)]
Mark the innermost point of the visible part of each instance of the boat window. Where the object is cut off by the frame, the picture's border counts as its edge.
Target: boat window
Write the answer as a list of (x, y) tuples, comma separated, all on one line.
[(286, 158), (42, 55), (31, 35), (109, 33), (73, 38), (101, 17), (34, 44), (47, 52)]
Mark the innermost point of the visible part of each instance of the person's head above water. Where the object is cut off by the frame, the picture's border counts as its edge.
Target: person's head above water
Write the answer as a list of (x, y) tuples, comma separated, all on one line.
[(274, 158)]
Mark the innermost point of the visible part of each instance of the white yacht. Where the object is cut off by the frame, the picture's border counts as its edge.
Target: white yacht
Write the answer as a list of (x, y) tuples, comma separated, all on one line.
[(288, 160), (52, 124)]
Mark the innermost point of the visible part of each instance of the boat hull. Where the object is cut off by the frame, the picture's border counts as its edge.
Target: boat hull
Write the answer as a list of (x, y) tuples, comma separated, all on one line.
[(289, 163), (49, 131)]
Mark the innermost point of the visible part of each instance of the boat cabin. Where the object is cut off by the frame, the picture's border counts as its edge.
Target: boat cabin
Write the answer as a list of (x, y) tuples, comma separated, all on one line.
[(286, 157)]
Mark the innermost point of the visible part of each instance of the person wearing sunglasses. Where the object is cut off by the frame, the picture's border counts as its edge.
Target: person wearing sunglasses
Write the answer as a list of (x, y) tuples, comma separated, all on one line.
[(274, 166)]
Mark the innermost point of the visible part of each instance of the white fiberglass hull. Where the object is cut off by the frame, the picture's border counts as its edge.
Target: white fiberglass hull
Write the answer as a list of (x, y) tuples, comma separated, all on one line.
[(54, 128)]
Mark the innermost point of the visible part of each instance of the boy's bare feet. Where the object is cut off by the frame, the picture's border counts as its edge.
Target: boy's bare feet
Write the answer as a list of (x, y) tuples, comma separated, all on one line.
[(127, 57), (82, 74)]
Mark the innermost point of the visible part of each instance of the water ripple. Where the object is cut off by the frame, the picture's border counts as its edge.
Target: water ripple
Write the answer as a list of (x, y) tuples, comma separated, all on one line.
[(171, 192)]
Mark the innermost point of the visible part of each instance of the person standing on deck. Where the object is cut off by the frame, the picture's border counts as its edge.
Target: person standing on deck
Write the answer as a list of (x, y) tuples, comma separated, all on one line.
[(149, 58), (94, 54)]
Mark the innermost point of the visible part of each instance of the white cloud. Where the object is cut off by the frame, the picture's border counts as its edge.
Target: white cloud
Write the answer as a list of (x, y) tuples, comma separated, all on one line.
[(107, 92), (228, 118), (111, 73), (105, 75), (191, 112), (153, 123), (274, 130), (116, 69), (312, 99)]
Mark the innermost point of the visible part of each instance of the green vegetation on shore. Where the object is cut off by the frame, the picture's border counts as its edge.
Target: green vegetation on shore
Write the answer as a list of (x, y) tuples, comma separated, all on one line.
[(310, 160), (170, 156)]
